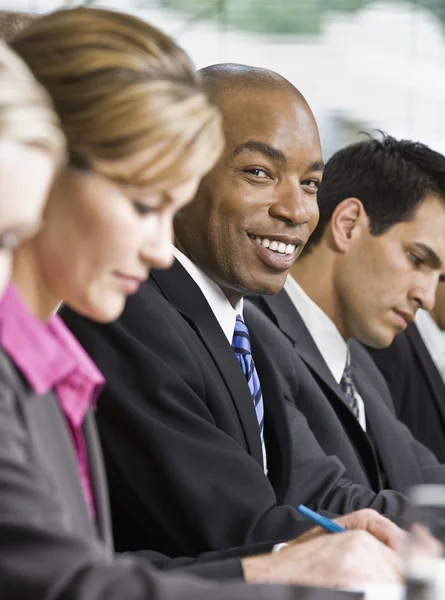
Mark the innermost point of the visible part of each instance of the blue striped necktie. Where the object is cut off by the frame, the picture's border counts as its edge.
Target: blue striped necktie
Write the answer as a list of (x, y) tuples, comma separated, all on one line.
[(241, 345)]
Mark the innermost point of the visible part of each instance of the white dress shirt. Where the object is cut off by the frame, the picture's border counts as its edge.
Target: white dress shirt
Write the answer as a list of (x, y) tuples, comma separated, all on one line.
[(224, 312), (433, 338), (327, 338), (222, 309)]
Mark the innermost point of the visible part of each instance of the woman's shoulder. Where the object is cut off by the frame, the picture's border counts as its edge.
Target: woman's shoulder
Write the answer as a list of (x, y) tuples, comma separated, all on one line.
[(10, 376)]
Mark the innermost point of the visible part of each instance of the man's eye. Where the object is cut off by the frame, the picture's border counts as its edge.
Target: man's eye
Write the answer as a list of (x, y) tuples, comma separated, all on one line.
[(313, 184), (143, 209), (257, 172)]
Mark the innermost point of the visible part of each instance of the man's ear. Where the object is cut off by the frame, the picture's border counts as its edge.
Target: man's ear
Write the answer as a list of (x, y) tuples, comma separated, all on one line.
[(346, 223)]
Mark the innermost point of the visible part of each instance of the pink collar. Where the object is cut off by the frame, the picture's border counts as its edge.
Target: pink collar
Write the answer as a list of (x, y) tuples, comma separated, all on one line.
[(49, 356)]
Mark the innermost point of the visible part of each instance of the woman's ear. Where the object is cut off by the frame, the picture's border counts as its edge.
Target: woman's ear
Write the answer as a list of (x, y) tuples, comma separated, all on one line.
[(346, 222)]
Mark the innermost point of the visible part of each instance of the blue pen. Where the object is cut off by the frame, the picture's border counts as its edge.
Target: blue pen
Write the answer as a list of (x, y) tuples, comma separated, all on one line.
[(324, 522)]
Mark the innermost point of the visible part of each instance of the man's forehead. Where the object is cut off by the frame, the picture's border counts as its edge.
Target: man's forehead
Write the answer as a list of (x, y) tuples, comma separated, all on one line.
[(429, 212), (424, 230), (273, 134), (249, 117), (250, 99)]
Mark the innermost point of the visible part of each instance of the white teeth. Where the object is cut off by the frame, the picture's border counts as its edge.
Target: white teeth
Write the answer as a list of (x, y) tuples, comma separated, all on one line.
[(275, 246)]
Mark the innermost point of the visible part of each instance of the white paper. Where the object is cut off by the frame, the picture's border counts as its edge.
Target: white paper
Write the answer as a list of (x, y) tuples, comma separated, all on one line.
[(381, 591)]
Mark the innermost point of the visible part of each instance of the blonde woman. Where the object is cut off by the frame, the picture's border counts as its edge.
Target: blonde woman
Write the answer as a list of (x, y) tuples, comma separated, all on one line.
[(140, 133), (31, 146)]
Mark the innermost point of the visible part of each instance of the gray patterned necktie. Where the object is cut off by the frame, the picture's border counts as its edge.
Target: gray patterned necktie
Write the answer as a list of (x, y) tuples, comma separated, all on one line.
[(348, 388)]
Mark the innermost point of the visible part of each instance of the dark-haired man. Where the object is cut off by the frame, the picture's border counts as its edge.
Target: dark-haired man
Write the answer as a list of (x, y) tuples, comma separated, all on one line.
[(414, 369), (198, 448), (376, 257)]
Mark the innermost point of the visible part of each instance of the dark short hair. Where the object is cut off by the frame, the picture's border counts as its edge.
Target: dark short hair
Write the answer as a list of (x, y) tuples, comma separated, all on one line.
[(390, 177)]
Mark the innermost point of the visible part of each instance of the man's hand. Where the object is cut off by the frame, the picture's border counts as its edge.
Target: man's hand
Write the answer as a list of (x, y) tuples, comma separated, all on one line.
[(369, 520), (329, 560)]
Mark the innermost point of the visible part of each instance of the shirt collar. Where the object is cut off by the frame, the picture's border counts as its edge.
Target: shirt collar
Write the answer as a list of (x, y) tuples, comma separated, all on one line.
[(222, 309), (45, 354), (433, 337), (328, 339)]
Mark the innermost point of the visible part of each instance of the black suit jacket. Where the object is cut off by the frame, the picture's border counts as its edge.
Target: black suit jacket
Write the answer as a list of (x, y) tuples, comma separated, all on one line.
[(180, 435), (179, 429), (416, 387), (394, 450), (49, 547)]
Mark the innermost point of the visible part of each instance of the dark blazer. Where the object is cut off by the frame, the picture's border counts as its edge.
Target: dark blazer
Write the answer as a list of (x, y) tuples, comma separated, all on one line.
[(179, 430), (180, 435), (416, 387), (49, 547), (390, 448)]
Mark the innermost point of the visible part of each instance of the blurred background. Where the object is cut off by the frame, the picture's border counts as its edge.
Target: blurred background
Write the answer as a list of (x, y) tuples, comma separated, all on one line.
[(361, 65)]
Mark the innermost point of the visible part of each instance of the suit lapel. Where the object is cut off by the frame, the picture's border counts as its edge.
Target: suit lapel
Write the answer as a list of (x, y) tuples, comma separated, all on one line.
[(54, 448), (98, 481), (379, 420), (432, 374), (287, 318), (283, 312), (276, 433), (184, 294), (289, 321)]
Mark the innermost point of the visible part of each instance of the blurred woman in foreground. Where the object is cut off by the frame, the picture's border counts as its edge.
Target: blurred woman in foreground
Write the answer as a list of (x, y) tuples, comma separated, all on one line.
[(141, 133), (31, 147)]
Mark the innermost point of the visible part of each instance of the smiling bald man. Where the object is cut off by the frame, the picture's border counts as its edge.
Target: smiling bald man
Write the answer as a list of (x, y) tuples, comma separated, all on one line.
[(199, 452)]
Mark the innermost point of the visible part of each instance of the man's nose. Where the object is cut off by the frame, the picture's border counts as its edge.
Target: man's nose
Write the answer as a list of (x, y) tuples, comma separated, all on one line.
[(294, 206), (426, 295)]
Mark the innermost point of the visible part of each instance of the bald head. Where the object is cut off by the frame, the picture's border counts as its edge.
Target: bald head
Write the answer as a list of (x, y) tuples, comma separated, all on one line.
[(230, 78), (263, 188)]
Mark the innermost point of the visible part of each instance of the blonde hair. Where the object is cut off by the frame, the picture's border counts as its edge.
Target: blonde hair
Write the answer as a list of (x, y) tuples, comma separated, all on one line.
[(26, 113), (12, 22), (121, 86)]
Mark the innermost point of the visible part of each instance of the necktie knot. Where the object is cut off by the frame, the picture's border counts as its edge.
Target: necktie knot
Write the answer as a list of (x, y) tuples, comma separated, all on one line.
[(241, 339)]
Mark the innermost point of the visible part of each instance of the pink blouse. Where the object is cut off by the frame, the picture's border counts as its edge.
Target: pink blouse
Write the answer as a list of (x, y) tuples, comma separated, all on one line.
[(50, 357)]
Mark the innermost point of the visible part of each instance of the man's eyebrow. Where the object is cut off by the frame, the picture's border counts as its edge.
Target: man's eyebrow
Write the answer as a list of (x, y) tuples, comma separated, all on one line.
[(260, 148), (431, 256), (274, 153), (318, 165)]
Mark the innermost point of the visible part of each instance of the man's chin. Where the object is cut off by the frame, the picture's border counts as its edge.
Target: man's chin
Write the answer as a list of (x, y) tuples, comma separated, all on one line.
[(266, 288), (379, 341)]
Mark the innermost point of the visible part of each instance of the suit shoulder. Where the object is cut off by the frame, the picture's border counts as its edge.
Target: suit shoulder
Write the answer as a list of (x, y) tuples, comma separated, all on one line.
[(365, 357), (395, 356), (10, 376), (260, 323)]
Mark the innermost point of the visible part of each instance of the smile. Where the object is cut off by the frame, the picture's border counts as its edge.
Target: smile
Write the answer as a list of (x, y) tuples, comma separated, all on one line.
[(275, 246), (275, 254)]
